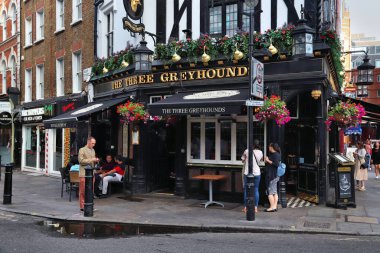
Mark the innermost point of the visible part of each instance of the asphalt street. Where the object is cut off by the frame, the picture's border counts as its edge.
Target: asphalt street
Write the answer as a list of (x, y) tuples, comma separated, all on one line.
[(19, 233)]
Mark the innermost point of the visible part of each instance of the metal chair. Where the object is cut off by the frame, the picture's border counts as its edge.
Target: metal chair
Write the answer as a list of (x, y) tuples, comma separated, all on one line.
[(74, 182)]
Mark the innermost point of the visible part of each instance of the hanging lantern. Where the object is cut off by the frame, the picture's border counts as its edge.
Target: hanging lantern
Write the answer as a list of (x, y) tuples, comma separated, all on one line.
[(303, 38), (365, 72), (238, 55), (176, 57), (143, 58), (205, 57)]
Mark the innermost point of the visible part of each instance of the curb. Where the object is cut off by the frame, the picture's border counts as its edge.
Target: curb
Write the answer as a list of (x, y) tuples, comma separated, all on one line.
[(196, 228)]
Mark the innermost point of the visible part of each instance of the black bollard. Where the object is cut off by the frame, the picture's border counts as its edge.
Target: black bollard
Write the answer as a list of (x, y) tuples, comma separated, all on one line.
[(0, 167), (88, 193), (7, 195), (282, 188), (250, 198)]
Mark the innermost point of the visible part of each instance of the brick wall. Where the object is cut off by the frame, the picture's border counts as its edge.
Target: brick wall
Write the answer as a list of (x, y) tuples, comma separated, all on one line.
[(78, 36)]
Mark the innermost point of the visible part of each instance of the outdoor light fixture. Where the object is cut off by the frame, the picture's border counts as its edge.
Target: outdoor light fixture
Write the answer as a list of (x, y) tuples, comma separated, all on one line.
[(316, 94), (124, 63), (143, 58), (105, 70), (365, 72), (251, 3), (303, 38)]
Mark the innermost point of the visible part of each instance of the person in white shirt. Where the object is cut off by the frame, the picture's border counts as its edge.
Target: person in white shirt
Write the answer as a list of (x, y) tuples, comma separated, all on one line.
[(257, 156)]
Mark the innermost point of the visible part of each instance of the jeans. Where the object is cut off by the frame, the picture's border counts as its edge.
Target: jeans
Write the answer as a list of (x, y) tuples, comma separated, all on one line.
[(256, 182)]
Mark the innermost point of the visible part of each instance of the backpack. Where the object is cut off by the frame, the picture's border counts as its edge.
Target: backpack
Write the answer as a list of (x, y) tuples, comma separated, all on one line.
[(281, 169)]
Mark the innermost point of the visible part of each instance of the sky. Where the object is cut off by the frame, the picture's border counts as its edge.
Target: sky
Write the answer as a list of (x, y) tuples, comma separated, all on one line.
[(365, 17)]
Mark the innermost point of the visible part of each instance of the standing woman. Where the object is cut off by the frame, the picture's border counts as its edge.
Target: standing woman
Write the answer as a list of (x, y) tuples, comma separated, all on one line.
[(361, 173), (257, 156), (376, 158), (271, 178)]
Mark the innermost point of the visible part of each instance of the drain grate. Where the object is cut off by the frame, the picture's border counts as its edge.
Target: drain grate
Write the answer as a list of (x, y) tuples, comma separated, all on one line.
[(310, 224)]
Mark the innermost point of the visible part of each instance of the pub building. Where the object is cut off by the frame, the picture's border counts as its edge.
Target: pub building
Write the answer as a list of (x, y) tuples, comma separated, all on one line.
[(46, 150), (204, 126)]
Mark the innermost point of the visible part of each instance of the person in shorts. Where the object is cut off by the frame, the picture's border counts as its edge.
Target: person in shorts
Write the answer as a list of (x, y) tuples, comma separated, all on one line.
[(271, 164)]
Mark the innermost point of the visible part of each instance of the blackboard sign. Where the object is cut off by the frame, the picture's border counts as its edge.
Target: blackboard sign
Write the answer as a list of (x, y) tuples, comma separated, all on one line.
[(345, 185)]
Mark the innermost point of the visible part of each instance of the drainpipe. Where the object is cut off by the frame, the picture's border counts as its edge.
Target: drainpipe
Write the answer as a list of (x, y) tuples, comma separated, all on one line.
[(96, 4)]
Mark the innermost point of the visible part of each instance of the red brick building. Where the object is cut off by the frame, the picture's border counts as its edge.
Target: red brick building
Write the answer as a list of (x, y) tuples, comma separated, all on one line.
[(57, 49)]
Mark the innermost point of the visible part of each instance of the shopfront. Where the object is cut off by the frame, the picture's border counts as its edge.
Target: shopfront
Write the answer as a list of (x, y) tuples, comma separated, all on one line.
[(5, 131)]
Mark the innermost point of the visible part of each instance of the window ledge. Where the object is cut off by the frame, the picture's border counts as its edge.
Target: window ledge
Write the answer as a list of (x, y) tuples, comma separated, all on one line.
[(62, 29), (38, 41), (28, 46), (75, 22)]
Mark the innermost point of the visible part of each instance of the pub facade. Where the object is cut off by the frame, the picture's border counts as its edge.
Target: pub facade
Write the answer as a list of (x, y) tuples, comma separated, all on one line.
[(203, 126)]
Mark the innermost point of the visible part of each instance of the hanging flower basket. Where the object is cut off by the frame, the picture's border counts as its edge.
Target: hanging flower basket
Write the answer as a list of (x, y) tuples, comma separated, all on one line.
[(345, 114), (132, 112), (274, 108)]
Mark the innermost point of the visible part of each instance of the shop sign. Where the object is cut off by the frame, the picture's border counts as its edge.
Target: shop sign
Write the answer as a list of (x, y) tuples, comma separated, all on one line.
[(31, 115), (134, 10), (257, 82), (68, 106), (170, 77), (5, 107), (5, 118)]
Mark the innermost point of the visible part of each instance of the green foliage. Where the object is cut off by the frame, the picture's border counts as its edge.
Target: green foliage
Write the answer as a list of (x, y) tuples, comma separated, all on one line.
[(112, 63)]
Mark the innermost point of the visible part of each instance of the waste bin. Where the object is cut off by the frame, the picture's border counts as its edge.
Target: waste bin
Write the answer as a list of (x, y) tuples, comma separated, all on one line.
[(340, 182)]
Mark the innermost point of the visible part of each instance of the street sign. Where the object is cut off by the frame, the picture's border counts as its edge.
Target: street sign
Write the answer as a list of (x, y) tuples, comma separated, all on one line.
[(255, 103), (5, 118), (257, 81)]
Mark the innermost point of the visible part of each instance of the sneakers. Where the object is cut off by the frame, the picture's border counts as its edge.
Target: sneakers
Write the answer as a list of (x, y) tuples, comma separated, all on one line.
[(362, 189), (377, 177)]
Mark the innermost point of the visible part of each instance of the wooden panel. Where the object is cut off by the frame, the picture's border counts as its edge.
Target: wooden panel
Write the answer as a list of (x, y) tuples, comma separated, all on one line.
[(239, 183)]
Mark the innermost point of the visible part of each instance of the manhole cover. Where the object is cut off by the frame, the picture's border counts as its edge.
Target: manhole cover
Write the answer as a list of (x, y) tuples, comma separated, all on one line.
[(310, 224)]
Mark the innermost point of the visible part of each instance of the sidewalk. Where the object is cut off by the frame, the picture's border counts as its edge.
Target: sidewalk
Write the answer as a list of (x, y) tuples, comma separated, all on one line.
[(39, 195)]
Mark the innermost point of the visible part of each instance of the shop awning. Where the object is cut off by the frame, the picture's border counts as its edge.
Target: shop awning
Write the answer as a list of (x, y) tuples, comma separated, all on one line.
[(69, 119), (353, 130), (201, 103)]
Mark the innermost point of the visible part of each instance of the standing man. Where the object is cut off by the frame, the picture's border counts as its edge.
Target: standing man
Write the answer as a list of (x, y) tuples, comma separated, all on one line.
[(86, 157)]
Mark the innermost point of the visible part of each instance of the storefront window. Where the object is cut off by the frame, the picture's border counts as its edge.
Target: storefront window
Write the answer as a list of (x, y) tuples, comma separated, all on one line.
[(210, 141), (195, 140), (31, 146), (58, 150), (5, 145), (241, 139), (225, 141)]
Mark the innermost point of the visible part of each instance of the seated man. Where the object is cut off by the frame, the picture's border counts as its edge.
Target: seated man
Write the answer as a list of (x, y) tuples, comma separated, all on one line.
[(116, 174), (108, 165)]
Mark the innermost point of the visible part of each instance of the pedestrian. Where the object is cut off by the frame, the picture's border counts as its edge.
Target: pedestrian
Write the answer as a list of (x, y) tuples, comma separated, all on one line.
[(271, 179), (86, 156), (376, 158), (361, 173), (368, 149), (257, 156)]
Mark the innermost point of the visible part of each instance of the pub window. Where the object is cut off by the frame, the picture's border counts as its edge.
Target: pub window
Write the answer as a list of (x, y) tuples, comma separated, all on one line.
[(226, 17), (219, 141)]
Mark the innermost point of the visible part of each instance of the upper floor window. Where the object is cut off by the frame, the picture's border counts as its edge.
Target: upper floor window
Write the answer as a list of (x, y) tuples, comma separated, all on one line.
[(4, 20), (77, 10), (362, 91), (13, 67), (227, 18), (378, 93), (40, 82), (377, 64), (60, 15), (60, 70), (4, 78), (28, 85), (109, 34), (40, 25), (77, 72), (28, 31), (14, 19)]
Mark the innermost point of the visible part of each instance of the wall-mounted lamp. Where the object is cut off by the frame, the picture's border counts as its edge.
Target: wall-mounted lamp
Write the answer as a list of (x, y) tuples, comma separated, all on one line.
[(316, 94)]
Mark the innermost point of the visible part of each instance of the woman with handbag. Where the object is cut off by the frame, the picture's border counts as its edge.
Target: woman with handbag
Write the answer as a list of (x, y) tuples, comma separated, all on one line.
[(257, 157), (361, 172)]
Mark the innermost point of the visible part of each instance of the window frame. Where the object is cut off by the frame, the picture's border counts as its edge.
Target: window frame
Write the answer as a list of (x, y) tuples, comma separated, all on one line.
[(77, 11), (4, 19), (28, 32), (207, 119), (60, 74), (28, 85), (362, 91), (3, 78), (109, 33), (378, 93), (377, 63), (40, 81), (40, 25), (60, 15), (14, 19), (77, 75)]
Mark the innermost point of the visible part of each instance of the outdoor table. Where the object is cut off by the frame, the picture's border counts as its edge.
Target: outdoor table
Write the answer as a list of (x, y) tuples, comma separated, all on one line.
[(210, 179)]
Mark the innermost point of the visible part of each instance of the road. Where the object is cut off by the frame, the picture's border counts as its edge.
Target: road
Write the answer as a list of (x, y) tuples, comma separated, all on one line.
[(20, 233)]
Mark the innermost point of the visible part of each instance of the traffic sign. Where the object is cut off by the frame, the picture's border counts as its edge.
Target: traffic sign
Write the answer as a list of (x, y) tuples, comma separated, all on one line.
[(257, 78), (256, 103), (5, 118)]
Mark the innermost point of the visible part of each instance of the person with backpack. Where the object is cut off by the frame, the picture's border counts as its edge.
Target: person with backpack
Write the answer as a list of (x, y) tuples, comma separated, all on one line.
[(257, 156), (271, 164)]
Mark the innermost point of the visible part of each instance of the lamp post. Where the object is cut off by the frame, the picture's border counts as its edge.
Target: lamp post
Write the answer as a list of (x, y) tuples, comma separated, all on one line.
[(249, 187)]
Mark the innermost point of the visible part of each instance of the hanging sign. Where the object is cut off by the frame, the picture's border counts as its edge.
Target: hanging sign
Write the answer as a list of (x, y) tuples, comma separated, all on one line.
[(257, 80), (5, 118), (135, 10)]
